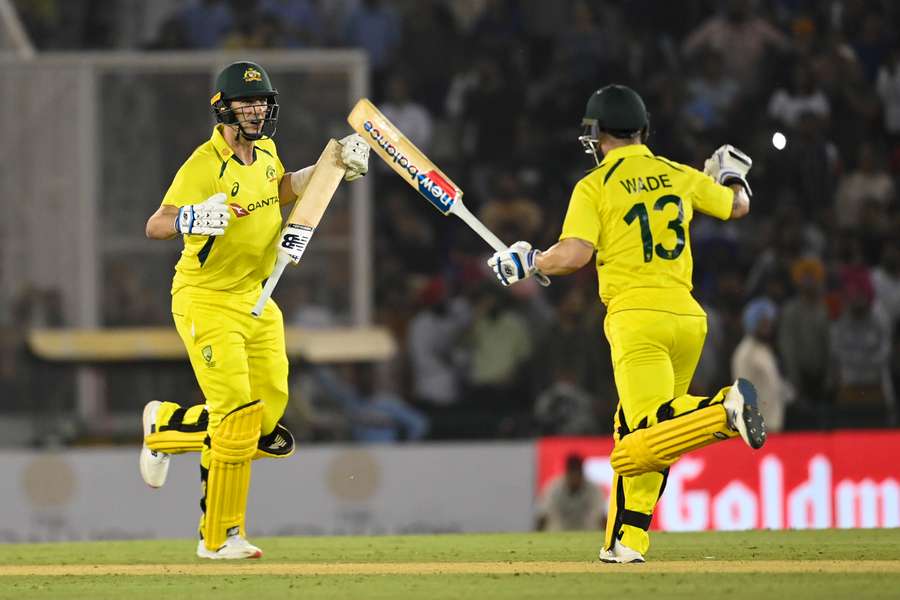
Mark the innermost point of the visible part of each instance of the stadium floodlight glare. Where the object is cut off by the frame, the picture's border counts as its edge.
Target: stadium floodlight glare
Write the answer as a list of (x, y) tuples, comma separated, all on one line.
[(779, 140)]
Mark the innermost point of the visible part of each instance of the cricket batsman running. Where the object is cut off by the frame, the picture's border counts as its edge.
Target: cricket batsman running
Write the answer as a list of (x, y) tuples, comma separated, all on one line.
[(226, 202), (634, 211)]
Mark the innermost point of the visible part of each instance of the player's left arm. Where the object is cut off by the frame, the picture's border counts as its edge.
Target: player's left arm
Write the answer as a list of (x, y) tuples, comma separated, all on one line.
[(722, 191)]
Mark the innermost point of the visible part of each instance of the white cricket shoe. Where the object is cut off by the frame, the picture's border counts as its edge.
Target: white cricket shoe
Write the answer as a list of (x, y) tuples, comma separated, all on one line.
[(621, 553), (154, 465), (743, 413), (234, 548)]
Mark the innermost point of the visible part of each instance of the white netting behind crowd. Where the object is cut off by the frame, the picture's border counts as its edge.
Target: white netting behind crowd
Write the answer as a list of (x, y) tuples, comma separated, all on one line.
[(91, 143)]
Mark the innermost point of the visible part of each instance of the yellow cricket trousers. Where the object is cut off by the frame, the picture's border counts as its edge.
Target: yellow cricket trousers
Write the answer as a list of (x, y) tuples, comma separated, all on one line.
[(654, 356)]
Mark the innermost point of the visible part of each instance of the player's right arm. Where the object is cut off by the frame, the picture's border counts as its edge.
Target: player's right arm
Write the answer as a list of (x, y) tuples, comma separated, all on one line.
[(161, 224), (580, 233), (177, 214), (209, 217)]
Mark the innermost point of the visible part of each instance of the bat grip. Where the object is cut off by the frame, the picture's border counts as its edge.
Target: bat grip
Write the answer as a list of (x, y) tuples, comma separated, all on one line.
[(280, 263), (542, 279)]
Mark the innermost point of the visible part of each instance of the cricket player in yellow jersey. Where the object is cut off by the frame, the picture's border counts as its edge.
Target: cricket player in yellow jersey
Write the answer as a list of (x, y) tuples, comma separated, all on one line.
[(634, 212), (226, 203)]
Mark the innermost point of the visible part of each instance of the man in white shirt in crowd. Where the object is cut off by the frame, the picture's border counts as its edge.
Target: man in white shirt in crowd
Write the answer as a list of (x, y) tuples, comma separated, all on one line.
[(754, 359), (571, 502)]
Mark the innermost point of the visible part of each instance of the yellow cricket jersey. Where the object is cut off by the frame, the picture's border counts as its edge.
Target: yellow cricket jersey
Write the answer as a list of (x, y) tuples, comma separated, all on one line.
[(636, 208), (239, 260)]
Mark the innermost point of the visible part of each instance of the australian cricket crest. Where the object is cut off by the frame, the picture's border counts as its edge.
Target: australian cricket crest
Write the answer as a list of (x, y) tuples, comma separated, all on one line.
[(252, 74), (208, 356), (270, 173)]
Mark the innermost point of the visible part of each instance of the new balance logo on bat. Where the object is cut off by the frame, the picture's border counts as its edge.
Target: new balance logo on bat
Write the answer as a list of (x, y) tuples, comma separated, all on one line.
[(435, 188), (296, 241)]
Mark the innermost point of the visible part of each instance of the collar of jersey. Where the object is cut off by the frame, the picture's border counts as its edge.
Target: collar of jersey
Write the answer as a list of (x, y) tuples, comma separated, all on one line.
[(625, 152), (218, 141)]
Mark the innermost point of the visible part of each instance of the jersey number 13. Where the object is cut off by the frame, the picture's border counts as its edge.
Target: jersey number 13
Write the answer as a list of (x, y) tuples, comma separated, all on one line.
[(639, 212)]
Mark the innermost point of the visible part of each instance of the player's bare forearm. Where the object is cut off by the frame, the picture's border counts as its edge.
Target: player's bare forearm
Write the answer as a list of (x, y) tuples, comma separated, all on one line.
[(564, 257), (740, 205), (292, 185), (286, 194), (161, 224)]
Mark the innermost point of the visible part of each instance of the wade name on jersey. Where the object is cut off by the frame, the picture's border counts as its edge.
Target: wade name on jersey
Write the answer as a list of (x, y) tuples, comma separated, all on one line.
[(635, 185)]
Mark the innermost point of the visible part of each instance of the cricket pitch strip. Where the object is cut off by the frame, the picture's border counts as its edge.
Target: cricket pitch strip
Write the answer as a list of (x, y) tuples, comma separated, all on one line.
[(457, 568)]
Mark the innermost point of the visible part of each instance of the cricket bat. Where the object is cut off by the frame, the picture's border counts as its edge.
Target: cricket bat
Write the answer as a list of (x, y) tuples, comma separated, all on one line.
[(417, 170), (305, 216)]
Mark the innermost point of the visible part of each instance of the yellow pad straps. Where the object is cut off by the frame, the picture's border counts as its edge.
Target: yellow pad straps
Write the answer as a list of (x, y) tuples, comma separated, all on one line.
[(176, 442), (232, 447), (655, 448)]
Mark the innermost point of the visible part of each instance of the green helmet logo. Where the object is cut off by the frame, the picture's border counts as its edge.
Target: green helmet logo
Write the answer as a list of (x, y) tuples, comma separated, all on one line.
[(239, 80), (252, 74)]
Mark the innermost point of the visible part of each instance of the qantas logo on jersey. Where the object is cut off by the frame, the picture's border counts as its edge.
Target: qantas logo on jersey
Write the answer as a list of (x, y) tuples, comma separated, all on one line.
[(240, 211), (435, 188)]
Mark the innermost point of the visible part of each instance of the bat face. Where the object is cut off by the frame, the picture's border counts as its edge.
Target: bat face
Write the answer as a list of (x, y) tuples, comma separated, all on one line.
[(404, 157), (436, 189)]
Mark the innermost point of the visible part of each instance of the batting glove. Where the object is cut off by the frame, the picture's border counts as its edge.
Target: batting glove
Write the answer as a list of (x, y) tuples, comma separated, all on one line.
[(515, 263), (729, 165), (355, 156), (207, 218)]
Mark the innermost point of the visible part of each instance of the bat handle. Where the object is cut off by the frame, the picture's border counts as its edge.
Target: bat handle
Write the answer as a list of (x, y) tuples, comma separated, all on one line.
[(463, 212), (280, 263)]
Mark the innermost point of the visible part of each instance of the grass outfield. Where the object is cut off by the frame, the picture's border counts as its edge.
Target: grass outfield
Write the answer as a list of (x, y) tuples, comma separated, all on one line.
[(796, 564)]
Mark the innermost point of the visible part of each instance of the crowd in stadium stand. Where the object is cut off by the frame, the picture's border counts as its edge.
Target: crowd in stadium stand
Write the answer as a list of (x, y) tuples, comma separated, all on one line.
[(803, 296)]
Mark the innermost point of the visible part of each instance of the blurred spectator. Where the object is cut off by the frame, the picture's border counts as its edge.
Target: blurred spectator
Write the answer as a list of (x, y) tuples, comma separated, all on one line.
[(409, 236), (868, 182), (754, 359), (205, 23), (374, 27), (742, 38), (871, 47), (375, 415), (803, 337), (888, 86), (810, 165), (299, 20), (802, 97), (254, 29), (500, 345), (498, 25), (486, 108), (886, 281), (574, 342), (711, 94), (510, 213), (860, 346), (429, 29), (433, 351), (571, 502), (565, 408), (409, 116)]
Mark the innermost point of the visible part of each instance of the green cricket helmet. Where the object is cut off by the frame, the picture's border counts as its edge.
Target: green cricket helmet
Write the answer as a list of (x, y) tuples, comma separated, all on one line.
[(240, 80), (617, 111)]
